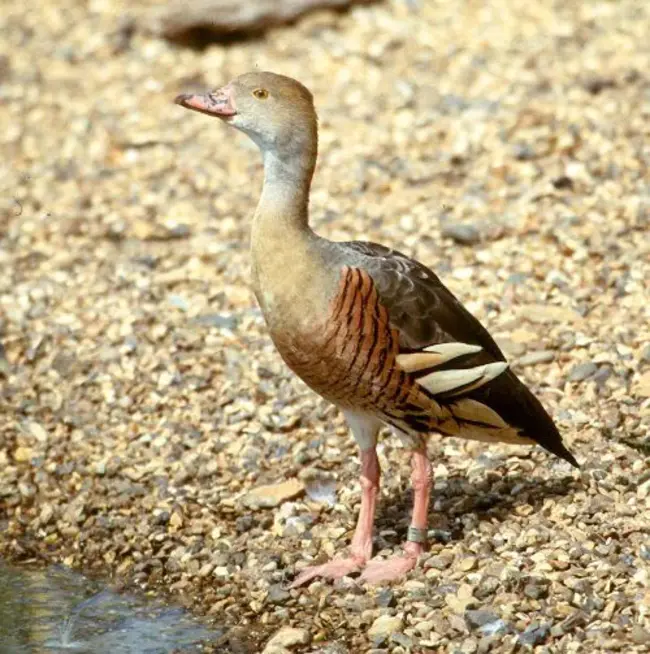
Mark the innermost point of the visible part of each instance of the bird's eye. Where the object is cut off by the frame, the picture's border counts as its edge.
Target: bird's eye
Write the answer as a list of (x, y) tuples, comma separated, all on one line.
[(261, 94)]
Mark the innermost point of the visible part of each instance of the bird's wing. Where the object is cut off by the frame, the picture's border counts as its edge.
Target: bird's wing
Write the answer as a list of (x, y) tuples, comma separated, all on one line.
[(427, 315), (421, 307)]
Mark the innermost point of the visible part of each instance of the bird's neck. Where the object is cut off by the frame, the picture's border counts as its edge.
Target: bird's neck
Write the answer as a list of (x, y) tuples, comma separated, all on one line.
[(286, 262), (281, 220)]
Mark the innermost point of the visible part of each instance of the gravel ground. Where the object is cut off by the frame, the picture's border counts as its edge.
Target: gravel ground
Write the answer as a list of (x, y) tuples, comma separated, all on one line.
[(506, 144)]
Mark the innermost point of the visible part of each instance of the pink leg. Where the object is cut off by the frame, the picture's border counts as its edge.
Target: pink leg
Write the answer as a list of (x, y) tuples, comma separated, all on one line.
[(361, 546), (396, 567)]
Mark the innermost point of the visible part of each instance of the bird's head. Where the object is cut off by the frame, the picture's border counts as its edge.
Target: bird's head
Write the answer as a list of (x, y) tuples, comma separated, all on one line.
[(275, 111)]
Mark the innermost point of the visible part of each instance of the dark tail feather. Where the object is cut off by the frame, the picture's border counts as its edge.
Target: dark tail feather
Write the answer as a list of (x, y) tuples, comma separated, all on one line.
[(512, 400)]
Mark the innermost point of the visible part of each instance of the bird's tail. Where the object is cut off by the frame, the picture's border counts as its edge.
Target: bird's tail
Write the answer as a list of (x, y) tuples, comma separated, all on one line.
[(474, 402)]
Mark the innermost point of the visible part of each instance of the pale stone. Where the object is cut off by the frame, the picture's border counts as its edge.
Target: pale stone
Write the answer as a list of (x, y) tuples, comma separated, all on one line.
[(266, 497), (546, 313), (22, 454), (384, 626), (38, 432), (287, 637), (641, 388)]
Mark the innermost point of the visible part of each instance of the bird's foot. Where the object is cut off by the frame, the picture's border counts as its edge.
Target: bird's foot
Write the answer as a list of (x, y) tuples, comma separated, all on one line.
[(334, 569), (379, 570)]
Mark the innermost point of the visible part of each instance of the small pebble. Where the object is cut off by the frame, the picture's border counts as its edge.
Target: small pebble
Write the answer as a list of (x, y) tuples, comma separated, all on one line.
[(383, 627), (479, 618), (385, 598), (278, 594), (533, 358), (287, 638), (461, 233), (582, 371)]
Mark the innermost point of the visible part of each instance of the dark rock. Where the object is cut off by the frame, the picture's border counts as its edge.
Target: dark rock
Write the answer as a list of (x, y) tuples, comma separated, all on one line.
[(597, 83), (278, 594), (602, 374), (485, 644), (177, 232), (386, 598), (592, 605), (244, 523), (557, 630), (147, 260), (563, 183), (226, 19), (535, 634), (63, 363), (583, 586), (464, 234), (440, 535), (403, 640), (479, 617), (439, 562), (488, 586), (240, 641), (216, 320), (536, 589), (4, 364), (161, 518), (582, 371), (523, 152)]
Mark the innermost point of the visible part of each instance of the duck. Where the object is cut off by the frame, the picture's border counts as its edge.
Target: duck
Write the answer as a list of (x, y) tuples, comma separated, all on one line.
[(369, 329)]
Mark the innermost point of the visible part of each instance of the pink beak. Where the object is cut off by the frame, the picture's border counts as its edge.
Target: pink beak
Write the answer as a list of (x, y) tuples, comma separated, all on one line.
[(219, 103)]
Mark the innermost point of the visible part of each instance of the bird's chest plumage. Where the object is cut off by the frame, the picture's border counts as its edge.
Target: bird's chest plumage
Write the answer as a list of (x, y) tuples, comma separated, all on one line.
[(347, 352), (294, 293), (298, 325)]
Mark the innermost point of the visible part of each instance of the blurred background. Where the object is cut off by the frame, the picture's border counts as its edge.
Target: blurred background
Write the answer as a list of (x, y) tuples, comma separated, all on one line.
[(503, 143)]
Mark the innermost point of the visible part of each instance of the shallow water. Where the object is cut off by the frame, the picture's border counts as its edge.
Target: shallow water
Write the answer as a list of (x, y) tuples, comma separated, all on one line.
[(55, 610)]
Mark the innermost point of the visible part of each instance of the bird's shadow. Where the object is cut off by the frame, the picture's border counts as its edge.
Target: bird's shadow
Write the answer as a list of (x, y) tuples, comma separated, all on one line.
[(492, 498), (488, 499)]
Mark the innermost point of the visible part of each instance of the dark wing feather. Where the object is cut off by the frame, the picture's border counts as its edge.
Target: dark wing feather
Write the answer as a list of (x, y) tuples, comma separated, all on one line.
[(426, 312), (421, 307)]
